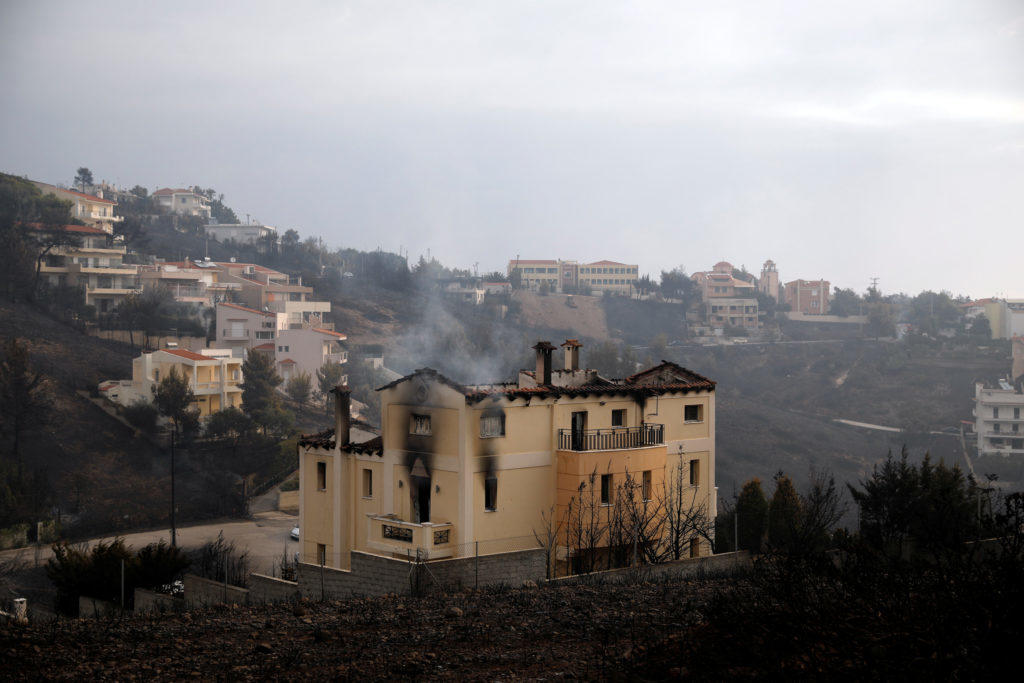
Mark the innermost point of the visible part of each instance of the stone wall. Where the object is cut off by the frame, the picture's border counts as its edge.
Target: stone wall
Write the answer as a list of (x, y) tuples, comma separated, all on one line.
[(94, 608), (697, 566), (150, 601), (200, 591), (264, 588)]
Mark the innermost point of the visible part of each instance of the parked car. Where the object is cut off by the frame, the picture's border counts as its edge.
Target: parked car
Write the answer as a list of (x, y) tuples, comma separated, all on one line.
[(295, 532)]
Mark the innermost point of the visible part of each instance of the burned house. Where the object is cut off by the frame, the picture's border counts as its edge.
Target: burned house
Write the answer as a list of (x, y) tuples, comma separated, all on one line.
[(460, 469)]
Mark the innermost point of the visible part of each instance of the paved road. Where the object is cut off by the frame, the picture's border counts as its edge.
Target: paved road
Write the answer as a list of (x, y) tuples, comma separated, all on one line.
[(265, 537)]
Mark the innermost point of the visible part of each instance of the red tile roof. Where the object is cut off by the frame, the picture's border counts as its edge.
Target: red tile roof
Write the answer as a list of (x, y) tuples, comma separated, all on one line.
[(286, 361), (263, 347), (82, 229), (607, 263), (90, 197), (330, 332), (191, 355), (248, 310)]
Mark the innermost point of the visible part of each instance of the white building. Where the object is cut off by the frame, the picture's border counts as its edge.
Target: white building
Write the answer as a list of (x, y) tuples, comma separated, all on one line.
[(243, 233), (183, 202)]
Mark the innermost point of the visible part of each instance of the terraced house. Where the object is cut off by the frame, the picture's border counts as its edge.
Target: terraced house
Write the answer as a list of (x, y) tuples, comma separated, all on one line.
[(464, 469)]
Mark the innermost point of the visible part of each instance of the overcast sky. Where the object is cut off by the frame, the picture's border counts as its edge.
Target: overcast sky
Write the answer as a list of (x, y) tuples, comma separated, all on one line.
[(844, 140)]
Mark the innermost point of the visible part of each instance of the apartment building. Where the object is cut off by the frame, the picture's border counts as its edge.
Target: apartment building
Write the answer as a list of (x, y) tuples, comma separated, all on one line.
[(307, 350), (240, 328), (96, 264), (188, 282), (459, 468), (570, 276), (90, 209), (183, 202), (214, 376), (728, 300), (810, 297), (242, 233), (266, 289), (769, 282)]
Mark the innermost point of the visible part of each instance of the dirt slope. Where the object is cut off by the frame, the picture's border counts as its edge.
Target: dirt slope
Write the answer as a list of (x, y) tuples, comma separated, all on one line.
[(586, 319)]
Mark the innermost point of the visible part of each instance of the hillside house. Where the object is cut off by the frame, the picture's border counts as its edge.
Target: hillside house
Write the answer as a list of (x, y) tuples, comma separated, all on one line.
[(809, 297), (728, 300), (214, 376), (95, 211), (183, 202), (460, 469)]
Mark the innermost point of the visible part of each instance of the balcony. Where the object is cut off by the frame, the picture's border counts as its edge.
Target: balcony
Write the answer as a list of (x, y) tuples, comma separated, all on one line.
[(430, 540), (611, 439), (235, 333), (340, 357)]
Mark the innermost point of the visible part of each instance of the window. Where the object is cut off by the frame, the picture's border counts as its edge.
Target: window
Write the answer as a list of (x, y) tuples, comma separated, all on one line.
[(646, 485), (156, 374), (693, 413), (995, 428), (606, 489), (1016, 413), (695, 473), (420, 425), (321, 476), (491, 493), (995, 412), (367, 483), (321, 554), (619, 418), (492, 426)]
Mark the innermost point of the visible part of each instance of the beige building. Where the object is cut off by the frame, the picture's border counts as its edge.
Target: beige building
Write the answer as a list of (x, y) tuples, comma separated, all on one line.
[(266, 289), (182, 202), (728, 300), (243, 233), (570, 277), (461, 469), (96, 264), (810, 297), (307, 350), (188, 282), (769, 281), (214, 376), (90, 209)]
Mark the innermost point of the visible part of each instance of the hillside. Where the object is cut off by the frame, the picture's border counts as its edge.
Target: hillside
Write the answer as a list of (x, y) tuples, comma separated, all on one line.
[(585, 318)]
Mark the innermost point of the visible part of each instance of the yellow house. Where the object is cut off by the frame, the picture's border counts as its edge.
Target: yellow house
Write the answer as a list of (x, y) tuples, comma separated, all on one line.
[(214, 376), (460, 469)]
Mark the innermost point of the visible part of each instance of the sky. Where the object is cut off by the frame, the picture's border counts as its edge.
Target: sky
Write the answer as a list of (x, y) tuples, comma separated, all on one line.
[(843, 140)]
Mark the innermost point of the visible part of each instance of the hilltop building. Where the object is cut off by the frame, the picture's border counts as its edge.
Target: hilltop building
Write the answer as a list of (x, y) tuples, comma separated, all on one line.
[(569, 277), (214, 376), (189, 282), (999, 410), (728, 300), (92, 210), (463, 469), (269, 290), (809, 297), (183, 202), (243, 233)]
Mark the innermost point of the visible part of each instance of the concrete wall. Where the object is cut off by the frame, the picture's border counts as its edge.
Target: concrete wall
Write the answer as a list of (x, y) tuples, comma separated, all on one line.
[(94, 608), (264, 588), (196, 344), (288, 501), (200, 591), (697, 566), (149, 601), (798, 317)]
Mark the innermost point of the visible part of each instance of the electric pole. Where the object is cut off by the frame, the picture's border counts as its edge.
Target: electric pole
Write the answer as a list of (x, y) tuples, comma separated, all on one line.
[(174, 530)]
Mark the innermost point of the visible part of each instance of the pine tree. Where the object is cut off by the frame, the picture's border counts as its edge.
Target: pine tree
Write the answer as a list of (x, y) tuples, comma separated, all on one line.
[(784, 514), (752, 510)]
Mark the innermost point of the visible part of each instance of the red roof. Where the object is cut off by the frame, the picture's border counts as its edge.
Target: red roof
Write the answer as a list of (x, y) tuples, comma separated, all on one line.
[(263, 347), (330, 332), (607, 263), (83, 229), (191, 355), (248, 310), (256, 266), (287, 361), (83, 195)]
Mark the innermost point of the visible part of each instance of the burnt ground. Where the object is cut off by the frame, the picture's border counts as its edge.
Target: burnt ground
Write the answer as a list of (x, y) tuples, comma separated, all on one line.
[(548, 632)]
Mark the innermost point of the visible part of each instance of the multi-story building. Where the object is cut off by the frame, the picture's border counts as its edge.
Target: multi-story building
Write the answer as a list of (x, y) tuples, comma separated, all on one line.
[(95, 263), (242, 233), (999, 410), (460, 467), (183, 202), (728, 300), (188, 281), (810, 297), (266, 289), (293, 350), (214, 376), (571, 277), (769, 282), (91, 210)]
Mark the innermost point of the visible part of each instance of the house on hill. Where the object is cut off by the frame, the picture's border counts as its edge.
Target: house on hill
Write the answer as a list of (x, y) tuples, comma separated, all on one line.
[(183, 202), (463, 469)]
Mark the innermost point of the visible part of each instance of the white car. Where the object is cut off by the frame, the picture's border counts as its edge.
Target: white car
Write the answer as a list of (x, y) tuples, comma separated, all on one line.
[(295, 532)]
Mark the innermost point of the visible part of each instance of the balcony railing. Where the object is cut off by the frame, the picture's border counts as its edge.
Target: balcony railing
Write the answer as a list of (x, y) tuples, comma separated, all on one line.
[(429, 540), (611, 439), (237, 333)]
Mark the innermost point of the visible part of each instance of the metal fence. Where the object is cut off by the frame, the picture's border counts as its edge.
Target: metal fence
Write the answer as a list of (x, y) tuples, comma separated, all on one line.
[(611, 439)]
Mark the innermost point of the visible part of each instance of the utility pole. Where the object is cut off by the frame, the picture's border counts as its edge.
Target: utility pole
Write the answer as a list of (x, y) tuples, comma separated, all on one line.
[(174, 530)]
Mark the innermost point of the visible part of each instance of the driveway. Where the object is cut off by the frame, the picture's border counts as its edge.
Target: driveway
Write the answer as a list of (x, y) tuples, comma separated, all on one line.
[(265, 537)]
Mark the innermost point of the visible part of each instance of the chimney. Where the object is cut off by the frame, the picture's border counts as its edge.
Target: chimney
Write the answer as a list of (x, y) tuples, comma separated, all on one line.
[(543, 372), (572, 354), (342, 415)]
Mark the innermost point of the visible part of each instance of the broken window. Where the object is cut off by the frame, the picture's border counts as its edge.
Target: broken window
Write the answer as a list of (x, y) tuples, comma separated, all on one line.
[(619, 417), (491, 493), (647, 485), (695, 473), (606, 489), (367, 483), (321, 476), (420, 425), (693, 413), (491, 426)]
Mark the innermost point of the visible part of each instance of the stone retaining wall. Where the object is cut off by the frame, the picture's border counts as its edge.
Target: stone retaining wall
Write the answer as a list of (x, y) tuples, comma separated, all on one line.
[(697, 566), (264, 588), (150, 601), (200, 591)]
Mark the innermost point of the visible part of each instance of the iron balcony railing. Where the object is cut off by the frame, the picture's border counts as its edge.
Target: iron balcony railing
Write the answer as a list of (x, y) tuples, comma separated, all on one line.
[(611, 439)]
